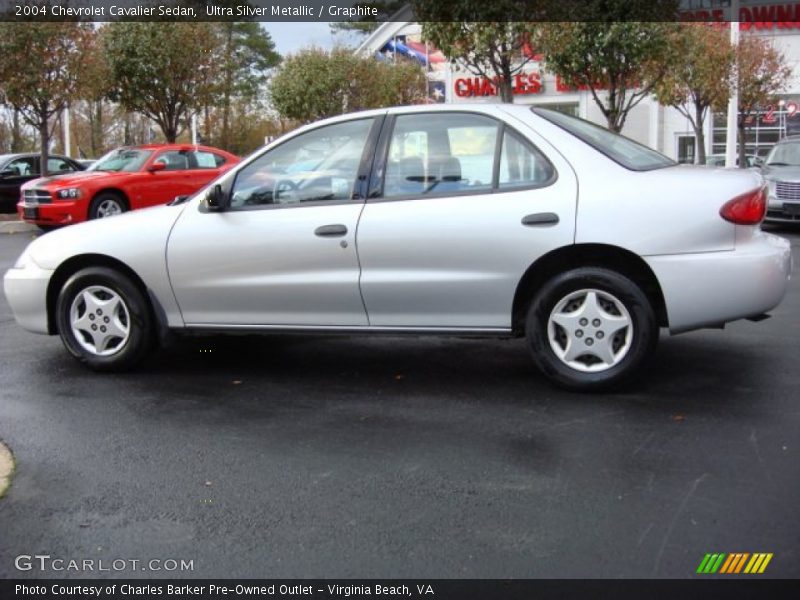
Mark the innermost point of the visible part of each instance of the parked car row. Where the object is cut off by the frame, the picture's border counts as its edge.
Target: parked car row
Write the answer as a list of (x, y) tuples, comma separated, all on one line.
[(492, 220), (124, 179)]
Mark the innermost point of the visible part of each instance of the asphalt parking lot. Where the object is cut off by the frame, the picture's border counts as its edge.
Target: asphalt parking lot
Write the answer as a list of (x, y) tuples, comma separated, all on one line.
[(402, 457)]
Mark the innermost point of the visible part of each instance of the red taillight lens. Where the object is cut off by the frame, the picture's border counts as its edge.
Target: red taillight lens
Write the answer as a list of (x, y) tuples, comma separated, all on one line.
[(747, 209)]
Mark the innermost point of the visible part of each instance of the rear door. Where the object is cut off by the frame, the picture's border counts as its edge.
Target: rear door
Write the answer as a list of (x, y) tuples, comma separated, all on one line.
[(460, 206)]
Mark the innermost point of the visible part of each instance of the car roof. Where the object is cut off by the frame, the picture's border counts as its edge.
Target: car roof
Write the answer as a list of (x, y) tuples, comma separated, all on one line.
[(173, 147), (7, 157)]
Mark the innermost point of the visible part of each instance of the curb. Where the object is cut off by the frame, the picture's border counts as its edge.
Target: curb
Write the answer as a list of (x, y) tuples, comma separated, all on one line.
[(6, 468), (16, 227)]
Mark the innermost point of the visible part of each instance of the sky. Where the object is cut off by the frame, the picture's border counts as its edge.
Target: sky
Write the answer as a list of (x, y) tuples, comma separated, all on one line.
[(290, 37)]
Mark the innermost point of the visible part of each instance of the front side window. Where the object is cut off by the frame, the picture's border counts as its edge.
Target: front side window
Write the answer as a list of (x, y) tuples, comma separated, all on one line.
[(58, 165), (631, 155), (317, 166), (440, 154), (122, 159), (174, 160)]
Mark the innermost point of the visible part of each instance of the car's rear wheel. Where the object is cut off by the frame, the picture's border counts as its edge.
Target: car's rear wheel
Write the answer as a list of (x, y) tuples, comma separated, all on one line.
[(590, 328), (106, 205), (104, 319)]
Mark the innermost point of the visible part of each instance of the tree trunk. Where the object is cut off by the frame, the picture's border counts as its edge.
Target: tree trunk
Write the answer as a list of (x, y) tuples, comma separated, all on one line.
[(16, 134), (700, 134), (742, 132), (127, 134), (44, 140), (226, 98), (97, 129)]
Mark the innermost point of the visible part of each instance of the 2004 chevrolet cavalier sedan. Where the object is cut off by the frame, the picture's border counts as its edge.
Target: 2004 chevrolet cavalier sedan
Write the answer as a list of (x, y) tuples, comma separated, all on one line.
[(491, 220)]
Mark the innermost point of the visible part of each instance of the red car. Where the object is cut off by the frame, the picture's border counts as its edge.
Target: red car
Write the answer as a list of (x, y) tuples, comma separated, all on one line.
[(124, 179)]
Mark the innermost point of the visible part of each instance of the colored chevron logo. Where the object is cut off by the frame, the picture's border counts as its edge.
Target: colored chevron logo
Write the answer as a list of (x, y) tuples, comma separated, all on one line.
[(734, 564)]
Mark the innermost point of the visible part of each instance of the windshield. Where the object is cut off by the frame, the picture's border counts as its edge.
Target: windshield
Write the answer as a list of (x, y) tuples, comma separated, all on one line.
[(122, 159), (785, 155), (631, 155)]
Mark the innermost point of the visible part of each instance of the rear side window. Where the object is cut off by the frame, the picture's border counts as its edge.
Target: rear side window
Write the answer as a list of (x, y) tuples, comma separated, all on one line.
[(522, 165), (207, 160), (440, 154), (631, 155)]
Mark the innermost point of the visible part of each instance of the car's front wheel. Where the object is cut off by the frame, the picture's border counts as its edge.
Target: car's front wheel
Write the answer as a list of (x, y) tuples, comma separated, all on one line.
[(590, 328), (104, 319), (106, 205)]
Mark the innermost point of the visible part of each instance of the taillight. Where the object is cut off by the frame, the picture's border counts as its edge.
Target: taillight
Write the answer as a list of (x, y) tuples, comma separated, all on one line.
[(747, 209)]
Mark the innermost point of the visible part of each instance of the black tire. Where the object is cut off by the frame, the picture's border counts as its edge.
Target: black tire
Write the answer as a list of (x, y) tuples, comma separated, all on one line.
[(103, 201), (121, 354), (633, 345)]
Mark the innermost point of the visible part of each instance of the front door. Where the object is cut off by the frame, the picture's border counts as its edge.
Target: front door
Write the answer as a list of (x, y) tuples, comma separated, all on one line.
[(284, 252)]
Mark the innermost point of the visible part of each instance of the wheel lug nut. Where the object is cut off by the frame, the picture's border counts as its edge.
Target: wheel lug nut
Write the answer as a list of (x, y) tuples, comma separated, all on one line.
[(91, 317), (105, 319), (589, 341), (579, 333), (596, 322), (600, 335), (94, 327), (103, 328), (584, 322), (99, 312)]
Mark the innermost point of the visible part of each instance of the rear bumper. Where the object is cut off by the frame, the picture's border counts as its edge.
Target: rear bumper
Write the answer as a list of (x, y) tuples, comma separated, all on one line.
[(26, 292), (711, 288)]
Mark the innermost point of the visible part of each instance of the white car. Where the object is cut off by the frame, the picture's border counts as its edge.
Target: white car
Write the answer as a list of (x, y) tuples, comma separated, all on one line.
[(494, 220)]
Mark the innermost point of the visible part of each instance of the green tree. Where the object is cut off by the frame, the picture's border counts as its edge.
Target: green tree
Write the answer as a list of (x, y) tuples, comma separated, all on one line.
[(246, 56), (161, 70), (314, 84), (39, 71), (760, 73), (619, 62), (699, 77)]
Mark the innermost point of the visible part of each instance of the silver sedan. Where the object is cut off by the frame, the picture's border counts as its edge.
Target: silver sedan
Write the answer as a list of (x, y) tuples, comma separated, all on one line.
[(494, 220)]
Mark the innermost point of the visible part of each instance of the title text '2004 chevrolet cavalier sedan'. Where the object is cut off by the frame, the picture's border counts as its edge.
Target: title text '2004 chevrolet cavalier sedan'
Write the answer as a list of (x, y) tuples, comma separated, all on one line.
[(481, 220)]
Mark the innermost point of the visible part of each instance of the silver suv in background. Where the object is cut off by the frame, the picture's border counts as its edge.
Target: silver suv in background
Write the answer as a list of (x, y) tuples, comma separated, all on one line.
[(782, 172)]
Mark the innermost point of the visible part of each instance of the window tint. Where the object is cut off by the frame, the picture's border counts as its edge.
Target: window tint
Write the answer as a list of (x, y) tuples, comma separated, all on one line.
[(175, 160), (58, 165), (23, 167), (522, 165), (786, 154), (631, 155), (320, 165), (440, 154)]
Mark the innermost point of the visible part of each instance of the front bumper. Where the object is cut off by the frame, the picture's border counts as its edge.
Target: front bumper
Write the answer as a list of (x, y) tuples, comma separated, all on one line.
[(712, 288), (62, 212), (782, 211), (26, 292)]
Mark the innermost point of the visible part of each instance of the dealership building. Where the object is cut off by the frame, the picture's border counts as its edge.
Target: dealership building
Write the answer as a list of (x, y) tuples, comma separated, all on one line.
[(660, 127)]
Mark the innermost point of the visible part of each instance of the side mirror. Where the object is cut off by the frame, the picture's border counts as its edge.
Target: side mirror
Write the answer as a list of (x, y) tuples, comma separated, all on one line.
[(8, 173), (216, 199), (158, 166)]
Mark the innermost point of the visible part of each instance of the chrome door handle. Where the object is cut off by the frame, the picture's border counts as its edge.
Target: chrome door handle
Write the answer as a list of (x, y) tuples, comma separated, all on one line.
[(336, 230), (540, 219)]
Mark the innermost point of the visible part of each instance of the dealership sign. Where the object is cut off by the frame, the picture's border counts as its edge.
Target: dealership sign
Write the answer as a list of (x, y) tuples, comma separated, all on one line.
[(785, 15), (523, 84)]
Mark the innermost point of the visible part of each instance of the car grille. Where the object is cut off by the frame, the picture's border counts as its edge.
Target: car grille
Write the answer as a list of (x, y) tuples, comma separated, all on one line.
[(787, 191), (37, 197)]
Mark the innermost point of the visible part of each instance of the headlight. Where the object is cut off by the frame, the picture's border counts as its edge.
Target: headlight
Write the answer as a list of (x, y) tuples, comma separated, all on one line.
[(69, 193)]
